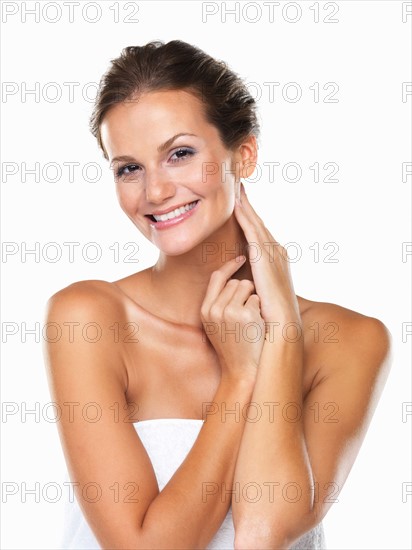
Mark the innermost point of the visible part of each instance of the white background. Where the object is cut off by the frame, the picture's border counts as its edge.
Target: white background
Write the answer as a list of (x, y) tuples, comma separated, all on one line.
[(366, 52)]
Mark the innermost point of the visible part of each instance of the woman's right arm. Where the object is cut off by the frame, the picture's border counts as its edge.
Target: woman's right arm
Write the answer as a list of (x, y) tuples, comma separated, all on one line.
[(117, 488)]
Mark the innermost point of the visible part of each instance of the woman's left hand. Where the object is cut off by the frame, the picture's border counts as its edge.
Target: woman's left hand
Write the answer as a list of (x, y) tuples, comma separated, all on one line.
[(270, 267)]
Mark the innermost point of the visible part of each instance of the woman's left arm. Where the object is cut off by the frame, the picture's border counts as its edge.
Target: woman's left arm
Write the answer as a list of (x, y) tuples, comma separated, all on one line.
[(296, 453)]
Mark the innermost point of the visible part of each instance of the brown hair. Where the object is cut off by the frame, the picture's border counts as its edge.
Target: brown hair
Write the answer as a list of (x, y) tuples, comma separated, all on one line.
[(178, 65)]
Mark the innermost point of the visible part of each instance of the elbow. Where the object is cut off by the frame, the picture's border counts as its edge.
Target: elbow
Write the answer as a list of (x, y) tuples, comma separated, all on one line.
[(255, 543), (260, 538), (265, 534)]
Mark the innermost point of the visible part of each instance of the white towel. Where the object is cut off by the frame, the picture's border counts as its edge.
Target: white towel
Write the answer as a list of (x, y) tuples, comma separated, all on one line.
[(167, 442)]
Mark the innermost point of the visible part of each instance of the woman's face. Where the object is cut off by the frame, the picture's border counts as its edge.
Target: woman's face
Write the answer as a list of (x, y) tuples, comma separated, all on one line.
[(174, 178)]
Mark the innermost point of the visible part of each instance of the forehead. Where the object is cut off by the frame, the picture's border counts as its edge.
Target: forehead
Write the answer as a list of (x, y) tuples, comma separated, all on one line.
[(143, 123), (153, 118)]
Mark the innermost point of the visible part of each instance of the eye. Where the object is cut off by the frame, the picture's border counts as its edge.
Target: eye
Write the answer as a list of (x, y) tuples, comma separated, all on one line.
[(183, 153), (129, 169), (126, 170)]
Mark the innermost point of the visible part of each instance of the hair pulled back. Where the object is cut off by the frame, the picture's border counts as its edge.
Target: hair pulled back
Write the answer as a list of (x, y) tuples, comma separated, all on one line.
[(177, 65)]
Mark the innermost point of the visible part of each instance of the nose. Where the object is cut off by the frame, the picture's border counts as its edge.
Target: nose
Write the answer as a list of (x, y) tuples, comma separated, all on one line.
[(158, 187)]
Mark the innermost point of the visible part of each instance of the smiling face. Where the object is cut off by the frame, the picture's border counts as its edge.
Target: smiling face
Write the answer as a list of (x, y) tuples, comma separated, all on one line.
[(174, 177)]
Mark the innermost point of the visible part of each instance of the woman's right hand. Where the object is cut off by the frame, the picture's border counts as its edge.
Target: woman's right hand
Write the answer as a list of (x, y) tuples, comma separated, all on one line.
[(231, 318)]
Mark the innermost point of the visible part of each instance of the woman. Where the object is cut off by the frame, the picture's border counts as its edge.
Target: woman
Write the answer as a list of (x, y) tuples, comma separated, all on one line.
[(205, 410)]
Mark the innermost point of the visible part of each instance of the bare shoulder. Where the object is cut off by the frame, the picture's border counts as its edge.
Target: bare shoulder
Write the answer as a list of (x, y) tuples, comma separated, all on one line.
[(113, 296), (351, 369), (345, 335), (84, 289), (84, 318), (88, 380), (98, 299)]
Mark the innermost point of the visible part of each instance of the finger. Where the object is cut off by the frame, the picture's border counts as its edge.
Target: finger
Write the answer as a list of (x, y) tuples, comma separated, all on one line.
[(249, 213), (253, 301), (225, 296), (248, 208), (251, 229), (244, 201), (246, 214), (243, 292), (219, 279)]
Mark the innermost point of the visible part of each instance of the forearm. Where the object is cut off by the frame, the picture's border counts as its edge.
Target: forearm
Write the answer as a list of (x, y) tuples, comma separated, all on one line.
[(273, 455), (191, 507)]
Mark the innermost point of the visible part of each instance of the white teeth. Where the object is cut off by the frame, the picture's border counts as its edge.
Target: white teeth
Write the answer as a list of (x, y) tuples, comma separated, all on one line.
[(174, 213)]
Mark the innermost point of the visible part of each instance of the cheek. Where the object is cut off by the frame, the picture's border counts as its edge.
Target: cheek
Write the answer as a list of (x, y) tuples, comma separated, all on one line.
[(225, 183), (128, 196), (193, 175), (213, 173), (219, 187), (129, 201), (223, 200)]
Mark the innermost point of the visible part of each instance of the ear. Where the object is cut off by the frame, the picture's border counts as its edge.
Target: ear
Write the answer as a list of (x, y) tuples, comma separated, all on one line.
[(246, 158)]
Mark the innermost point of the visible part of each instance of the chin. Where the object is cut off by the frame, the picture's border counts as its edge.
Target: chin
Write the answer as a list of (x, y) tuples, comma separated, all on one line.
[(175, 244), (175, 248), (179, 247)]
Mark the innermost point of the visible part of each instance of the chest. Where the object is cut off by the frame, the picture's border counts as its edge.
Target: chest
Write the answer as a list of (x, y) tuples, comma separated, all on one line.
[(174, 372)]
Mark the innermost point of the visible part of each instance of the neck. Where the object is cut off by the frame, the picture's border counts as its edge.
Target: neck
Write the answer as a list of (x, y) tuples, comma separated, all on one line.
[(180, 282)]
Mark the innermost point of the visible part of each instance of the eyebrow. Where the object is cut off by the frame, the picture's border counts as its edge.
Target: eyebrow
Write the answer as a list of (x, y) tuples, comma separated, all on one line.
[(160, 149)]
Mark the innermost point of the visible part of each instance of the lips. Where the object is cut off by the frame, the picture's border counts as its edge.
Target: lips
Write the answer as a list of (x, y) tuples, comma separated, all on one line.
[(171, 214)]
